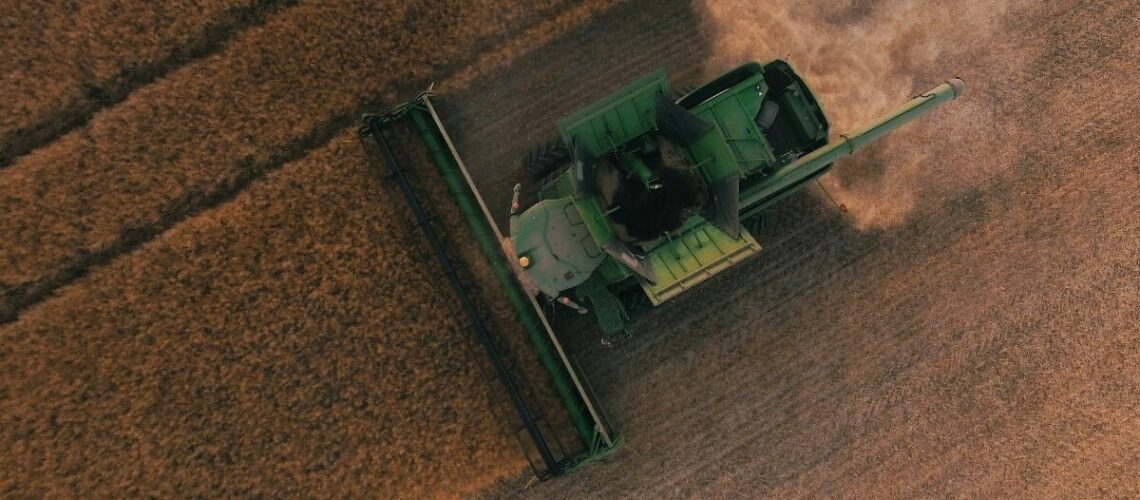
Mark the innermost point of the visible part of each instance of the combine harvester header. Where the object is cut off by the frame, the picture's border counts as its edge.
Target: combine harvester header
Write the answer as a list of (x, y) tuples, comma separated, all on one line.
[(576, 396)]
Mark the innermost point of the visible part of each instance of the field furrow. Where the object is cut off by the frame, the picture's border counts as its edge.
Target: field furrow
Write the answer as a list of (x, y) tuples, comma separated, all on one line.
[(60, 64)]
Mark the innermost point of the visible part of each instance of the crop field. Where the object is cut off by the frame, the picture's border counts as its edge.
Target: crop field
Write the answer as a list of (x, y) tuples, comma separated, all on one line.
[(62, 63), (285, 362), (205, 290)]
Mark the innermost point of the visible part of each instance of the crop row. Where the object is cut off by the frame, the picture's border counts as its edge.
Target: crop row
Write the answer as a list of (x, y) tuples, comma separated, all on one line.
[(61, 62)]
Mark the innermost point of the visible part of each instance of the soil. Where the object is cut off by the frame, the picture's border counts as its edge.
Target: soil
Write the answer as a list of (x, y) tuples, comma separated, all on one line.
[(205, 292)]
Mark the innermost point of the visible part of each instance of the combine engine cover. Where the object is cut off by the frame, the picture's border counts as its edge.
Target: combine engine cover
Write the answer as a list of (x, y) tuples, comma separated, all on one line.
[(554, 246)]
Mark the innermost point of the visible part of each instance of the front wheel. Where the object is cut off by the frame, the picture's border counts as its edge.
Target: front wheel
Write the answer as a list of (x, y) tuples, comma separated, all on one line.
[(545, 159)]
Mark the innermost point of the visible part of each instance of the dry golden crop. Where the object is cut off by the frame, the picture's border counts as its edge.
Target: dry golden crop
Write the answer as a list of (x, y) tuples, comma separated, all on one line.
[(287, 342), (62, 62)]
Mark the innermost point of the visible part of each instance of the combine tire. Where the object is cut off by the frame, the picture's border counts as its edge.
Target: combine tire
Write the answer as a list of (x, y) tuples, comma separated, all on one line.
[(545, 159)]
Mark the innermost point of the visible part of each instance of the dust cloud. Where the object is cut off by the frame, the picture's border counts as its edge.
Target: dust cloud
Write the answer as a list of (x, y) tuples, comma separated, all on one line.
[(862, 59)]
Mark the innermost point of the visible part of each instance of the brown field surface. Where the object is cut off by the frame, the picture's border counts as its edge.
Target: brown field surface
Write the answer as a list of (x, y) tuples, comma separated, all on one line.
[(204, 291)]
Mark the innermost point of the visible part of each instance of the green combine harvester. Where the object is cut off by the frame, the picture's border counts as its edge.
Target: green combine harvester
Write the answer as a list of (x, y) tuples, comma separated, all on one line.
[(644, 196)]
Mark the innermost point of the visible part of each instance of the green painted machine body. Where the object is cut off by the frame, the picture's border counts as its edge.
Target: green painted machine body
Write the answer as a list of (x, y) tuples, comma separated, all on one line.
[(737, 144)]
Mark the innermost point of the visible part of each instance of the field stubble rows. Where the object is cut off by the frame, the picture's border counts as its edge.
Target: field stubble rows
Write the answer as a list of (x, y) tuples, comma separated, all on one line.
[(984, 342)]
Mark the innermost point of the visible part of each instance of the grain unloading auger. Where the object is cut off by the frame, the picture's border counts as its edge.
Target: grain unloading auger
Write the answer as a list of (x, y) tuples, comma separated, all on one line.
[(645, 196)]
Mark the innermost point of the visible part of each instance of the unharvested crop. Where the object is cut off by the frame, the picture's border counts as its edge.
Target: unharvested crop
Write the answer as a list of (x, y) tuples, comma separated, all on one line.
[(288, 342), (60, 63)]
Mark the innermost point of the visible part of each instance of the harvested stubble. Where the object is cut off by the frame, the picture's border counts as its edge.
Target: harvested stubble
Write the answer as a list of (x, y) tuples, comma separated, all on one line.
[(203, 132), (284, 343), (62, 62)]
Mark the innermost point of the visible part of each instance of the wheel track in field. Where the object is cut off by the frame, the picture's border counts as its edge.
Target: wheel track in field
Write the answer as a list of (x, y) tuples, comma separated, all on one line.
[(108, 93), (23, 296), (818, 253), (383, 332)]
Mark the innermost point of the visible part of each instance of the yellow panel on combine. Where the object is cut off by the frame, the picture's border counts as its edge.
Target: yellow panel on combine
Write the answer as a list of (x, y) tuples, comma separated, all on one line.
[(697, 255)]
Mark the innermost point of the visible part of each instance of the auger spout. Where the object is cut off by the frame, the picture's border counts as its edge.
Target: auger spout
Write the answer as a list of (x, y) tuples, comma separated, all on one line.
[(812, 164)]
